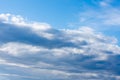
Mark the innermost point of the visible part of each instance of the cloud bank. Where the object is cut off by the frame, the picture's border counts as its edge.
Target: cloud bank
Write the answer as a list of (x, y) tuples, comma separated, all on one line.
[(36, 51)]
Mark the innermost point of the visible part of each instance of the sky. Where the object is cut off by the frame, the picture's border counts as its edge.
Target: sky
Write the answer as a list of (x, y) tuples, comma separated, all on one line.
[(59, 40), (102, 15)]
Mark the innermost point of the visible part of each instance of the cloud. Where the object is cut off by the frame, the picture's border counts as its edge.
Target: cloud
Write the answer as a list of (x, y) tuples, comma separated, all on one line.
[(105, 3), (4, 17), (105, 15), (36, 51), (38, 28)]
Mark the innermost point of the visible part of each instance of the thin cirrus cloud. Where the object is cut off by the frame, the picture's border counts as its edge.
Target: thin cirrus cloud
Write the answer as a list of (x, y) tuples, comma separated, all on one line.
[(104, 15), (36, 51), (104, 18)]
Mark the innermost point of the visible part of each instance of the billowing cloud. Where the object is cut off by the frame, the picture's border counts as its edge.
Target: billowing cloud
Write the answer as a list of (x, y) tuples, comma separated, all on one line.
[(36, 51)]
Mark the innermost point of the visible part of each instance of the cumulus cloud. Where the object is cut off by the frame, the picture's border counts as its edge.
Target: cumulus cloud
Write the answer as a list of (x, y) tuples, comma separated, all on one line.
[(36, 51)]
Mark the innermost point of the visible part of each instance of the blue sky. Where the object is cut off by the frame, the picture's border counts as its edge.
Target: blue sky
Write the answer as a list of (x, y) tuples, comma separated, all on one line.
[(57, 12), (68, 13), (49, 11), (59, 40)]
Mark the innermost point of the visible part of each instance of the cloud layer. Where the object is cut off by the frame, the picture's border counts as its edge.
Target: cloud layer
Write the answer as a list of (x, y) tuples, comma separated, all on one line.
[(36, 51)]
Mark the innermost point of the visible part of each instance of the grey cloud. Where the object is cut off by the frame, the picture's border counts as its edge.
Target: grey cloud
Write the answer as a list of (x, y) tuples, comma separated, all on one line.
[(25, 53)]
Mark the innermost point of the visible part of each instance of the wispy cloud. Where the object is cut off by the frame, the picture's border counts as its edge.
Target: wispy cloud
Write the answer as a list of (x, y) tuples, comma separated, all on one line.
[(103, 15), (103, 3)]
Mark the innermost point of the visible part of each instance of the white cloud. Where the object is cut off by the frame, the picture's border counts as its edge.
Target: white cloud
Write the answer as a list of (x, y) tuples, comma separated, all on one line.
[(4, 17), (39, 51), (39, 28), (18, 49), (4, 62), (112, 17), (105, 3), (102, 17), (12, 19)]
